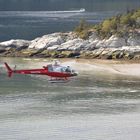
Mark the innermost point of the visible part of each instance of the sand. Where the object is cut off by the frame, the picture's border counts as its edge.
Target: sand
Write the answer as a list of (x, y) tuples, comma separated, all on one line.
[(130, 68)]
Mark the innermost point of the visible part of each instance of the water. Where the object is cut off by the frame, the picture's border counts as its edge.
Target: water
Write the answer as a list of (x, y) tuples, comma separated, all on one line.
[(98, 104), (30, 19)]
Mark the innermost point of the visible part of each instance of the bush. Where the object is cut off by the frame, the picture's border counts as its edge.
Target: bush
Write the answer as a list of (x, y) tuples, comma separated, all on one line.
[(83, 25), (119, 25), (83, 29), (109, 25)]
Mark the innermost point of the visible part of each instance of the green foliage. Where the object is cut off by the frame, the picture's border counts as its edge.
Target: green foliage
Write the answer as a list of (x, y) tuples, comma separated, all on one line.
[(120, 25), (136, 14), (82, 29), (82, 26), (109, 24), (128, 21)]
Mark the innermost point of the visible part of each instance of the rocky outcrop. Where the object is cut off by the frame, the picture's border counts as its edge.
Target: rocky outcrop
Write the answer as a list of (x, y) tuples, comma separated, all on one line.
[(46, 41), (133, 41), (15, 43), (60, 45), (12, 47)]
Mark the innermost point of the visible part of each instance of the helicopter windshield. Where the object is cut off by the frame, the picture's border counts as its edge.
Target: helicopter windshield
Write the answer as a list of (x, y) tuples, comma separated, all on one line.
[(62, 69)]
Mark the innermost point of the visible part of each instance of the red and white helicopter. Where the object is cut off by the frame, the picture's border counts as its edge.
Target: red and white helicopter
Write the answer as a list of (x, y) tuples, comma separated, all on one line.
[(56, 72)]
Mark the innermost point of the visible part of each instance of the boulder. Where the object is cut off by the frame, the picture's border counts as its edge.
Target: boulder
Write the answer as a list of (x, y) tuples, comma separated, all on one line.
[(100, 43), (60, 45), (91, 46), (54, 47), (128, 55), (18, 43), (73, 45), (115, 42), (133, 41), (47, 41), (93, 37), (131, 48), (96, 53)]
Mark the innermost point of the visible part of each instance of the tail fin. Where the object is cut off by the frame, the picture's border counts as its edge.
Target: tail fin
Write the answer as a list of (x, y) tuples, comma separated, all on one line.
[(9, 70)]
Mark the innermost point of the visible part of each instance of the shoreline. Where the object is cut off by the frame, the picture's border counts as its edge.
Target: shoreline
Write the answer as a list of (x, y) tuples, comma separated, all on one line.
[(84, 60), (69, 45)]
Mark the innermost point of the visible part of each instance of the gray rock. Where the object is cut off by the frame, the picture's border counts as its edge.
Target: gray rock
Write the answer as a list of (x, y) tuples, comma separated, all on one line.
[(69, 45), (100, 43), (115, 42), (15, 43), (93, 37), (73, 45), (54, 47), (47, 41), (133, 41)]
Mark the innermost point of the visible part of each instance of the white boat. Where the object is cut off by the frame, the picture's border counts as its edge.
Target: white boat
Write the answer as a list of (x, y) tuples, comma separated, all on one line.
[(82, 10)]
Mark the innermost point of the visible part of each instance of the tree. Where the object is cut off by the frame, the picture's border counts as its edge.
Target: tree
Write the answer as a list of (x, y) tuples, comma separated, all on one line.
[(128, 21), (82, 26), (82, 29)]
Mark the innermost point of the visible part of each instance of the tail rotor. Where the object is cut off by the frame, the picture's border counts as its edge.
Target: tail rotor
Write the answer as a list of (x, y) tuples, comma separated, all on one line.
[(9, 70)]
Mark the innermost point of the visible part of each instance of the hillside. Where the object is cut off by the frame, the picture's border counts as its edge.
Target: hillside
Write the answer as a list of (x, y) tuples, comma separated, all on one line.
[(121, 25)]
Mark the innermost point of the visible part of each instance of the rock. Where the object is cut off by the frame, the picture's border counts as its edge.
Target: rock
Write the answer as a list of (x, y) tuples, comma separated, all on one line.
[(13, 47), (15, 43), (117, 54), (128, 55), (69, 36), (2, 50), (100, 43), (86, 54), (93, 37), (28, 52), (133, 41), (115, 42), (90, 46), (54, 47), (65, 45), (137, 57), (79, 45), (45, 53), (73, 45), (69, 54), (105, 54), (47, 41), (131, 48), (92, 54)]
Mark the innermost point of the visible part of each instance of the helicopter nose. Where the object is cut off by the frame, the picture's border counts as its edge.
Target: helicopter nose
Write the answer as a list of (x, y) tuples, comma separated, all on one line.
[(74, 74)]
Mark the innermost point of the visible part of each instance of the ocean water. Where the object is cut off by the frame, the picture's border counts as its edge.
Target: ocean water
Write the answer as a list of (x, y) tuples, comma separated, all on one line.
[(29, 19), (98, 104)]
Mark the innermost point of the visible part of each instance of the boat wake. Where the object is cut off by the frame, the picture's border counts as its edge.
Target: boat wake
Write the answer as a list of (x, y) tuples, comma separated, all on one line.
[(41, 13), (35, 12), (69, 11)]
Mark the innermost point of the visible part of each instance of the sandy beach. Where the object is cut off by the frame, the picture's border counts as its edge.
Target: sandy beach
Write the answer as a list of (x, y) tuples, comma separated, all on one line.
[(130, 68)]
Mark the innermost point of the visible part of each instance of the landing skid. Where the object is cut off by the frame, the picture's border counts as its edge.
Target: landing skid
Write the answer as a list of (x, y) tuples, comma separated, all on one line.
[(58, 80)]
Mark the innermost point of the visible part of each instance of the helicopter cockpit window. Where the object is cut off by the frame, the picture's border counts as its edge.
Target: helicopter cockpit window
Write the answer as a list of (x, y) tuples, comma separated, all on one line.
[(68, 69), (50, 68)]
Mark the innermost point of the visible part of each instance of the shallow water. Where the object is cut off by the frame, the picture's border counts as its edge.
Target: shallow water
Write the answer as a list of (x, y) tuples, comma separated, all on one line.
[(94, 105)]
